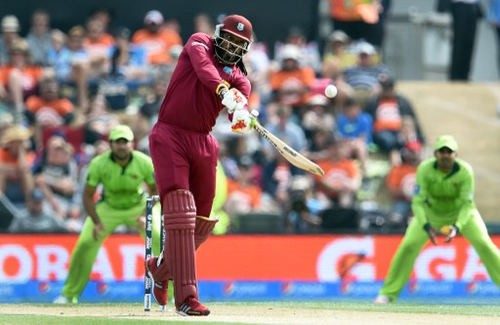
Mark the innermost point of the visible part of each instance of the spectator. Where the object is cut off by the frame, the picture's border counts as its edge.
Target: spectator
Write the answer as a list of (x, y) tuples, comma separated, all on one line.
[(332, 73), (203, 23), (290, 84), (156, 39), (337, 47), (98, 44), (49, 108), (357, 18), (342, 177), (104, 14), (19, 79), (148, 113), (309, 51), (56, 174), (244, 195), (36, 217), (494, 20), (317, 116), (285, 129), (354, 128), (363, 77), (129, 60), (465, 15), (10, 33), (388, 110), (39, 37), (72, 64), (304, 206), (400, 182), (100, 119), (16, 161)]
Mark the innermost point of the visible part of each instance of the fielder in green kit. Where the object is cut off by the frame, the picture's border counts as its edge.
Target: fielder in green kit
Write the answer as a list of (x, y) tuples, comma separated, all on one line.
[(443, 203), (123, 174)]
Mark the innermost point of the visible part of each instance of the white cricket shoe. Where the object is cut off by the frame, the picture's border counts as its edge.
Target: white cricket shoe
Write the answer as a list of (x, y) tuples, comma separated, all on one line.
[(61, 300), (381, 299)]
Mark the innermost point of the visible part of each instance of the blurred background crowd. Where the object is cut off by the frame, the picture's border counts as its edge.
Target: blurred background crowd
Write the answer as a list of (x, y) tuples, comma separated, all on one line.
[(61, 91)]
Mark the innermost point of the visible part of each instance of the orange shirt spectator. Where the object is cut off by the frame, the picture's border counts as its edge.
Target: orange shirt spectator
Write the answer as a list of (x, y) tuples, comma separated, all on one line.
[(16, 161), (19, 79), (401, 180), (30, 76), (48, 108), (291, 83), (366, 10), (342, 177), (388, 115), (337, 174), (248, 195), (156, 39)]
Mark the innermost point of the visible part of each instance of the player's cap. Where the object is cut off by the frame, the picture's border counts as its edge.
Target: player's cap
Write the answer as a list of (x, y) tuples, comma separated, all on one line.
[(121, 132), (153, 17), (446, 141), (10, 23), (239, 26)]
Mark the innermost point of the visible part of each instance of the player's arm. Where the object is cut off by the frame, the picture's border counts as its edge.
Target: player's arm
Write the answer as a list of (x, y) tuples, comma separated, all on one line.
[(89, 204), (152, 189), (466, 198), (419, 201), (93, 179), (420, 196), (198, 51)]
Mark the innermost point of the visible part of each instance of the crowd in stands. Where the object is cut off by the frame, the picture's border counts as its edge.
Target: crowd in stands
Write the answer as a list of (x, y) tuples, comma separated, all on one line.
[(61, 91)]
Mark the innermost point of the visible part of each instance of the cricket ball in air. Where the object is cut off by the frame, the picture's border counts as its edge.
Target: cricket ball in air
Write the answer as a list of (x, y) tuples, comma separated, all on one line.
[(331, 91)]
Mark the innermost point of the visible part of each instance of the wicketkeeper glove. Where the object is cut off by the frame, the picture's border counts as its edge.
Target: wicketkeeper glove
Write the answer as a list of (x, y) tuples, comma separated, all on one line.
[(431, 232), (450, 232), (233, 99)]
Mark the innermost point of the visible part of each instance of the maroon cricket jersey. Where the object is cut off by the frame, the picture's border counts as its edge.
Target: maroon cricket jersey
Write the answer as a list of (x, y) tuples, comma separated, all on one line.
[(191, 102)]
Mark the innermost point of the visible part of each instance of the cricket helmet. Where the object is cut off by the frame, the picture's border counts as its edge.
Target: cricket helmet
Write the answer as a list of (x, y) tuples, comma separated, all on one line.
[(228, 49)]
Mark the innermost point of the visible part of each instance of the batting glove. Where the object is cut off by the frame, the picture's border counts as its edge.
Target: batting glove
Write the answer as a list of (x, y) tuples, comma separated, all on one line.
[(450, 232), (233, 99), (242, 121), (431, 232)]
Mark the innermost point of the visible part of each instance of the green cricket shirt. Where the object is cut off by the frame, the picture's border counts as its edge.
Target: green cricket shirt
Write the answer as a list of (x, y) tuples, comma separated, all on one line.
[(444, 198), (123, 187)]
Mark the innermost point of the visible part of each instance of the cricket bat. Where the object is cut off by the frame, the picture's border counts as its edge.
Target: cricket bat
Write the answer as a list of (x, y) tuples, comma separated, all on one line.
[(288, 152)]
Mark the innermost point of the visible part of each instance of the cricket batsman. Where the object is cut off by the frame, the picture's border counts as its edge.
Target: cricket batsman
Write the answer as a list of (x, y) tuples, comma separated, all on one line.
[(122, 172), (209, 76), (443, 204)]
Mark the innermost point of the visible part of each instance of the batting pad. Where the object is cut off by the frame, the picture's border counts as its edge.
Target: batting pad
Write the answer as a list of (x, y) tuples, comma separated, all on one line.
[(203, 229), (180, 218)]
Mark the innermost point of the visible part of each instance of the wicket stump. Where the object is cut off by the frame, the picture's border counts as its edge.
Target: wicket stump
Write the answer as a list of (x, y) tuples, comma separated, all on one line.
[(148, 281)]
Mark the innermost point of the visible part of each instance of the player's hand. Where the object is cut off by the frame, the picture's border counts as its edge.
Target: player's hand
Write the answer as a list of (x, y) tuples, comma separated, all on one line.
[(233, 99), (98, 231), (431, 232), (242, 121), (450, 232)]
